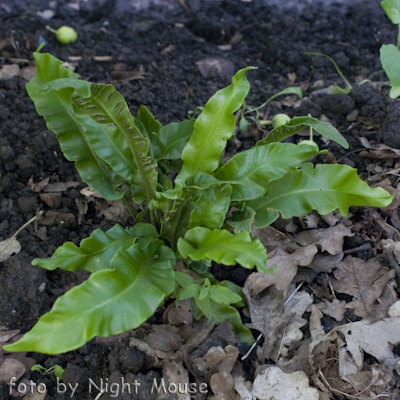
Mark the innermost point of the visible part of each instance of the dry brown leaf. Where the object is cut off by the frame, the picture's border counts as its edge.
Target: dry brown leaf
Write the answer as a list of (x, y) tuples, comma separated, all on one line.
[(181, 314), (274, 384), (330, 239), (223, 386), (59, 186), (53, 218), (42, 233), (216, 66), (381, 151), (296, 306), (37, 187), (335, 309), (164, 338), (82, 205), (153, 357), (217, 359), (271, 238), (332, 218), (390, 244), (53, 200), (11, 368), (88, 192), (116, 212), (279, 323), (325, 262), (9, 247), (286, 263), (365, 281), (266, 311), (376, 339), (347, 366), (316, 329), (174, 373), (5, 336), (8, 71), (394, 310)]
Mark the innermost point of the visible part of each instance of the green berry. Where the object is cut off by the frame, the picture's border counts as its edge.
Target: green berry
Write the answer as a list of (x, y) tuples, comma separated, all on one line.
[(279, 120), (64, 34), (308, 142)]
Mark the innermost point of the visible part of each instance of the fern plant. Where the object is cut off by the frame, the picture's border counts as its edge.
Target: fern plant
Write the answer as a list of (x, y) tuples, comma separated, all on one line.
[(130, 160)]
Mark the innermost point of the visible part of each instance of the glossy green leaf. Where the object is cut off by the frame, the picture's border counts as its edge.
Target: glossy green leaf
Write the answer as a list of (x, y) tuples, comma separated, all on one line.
[(96, 251), (149, 126), (324, 188), (242, 220), (297, 124), (220, 313), (56, 108), (190, 291), (222, 295), (177, 219), (392, 9), (213, 127), (211, 207), (172, 139), (257, 167), (184, 280), (223, 247), (110, 302), (106, 106), (390, 59)]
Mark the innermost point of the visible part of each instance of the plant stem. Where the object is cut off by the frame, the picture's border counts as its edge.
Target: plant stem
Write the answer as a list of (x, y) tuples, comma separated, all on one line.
[(27, 223), (398, 38), (346, 82), (130, 208), (49, 28)]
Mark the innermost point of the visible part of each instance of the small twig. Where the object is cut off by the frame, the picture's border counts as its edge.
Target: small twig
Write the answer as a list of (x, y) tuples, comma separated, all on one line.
[(331, 287), (393, 264), (260, 335), (295, 291), (26, 224), (364, 246), (349, 395), (280, 345), (252, 347)]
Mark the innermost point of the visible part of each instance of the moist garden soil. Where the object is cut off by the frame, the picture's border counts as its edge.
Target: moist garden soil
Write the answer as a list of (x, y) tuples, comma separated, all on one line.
[(172, 59)]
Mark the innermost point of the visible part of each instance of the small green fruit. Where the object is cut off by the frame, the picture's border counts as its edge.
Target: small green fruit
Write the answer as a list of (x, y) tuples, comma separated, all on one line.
[(279, 120), (64, 34), (309, 142)]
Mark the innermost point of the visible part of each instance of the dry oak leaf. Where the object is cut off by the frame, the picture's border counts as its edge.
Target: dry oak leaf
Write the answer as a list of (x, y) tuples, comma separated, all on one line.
[(330, 239), (266, 312), (286, 263), (274, 384), (60, 186), (164, 338), (174, 373), (390, 244), (365, 281), (334, 309), (381, 151), (324, 262), (296, 307), (376, 339), (217, 358), (223, 386), (9, 247)]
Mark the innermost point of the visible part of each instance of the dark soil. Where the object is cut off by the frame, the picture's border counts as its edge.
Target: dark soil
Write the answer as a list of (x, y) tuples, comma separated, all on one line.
[(170, 45)]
